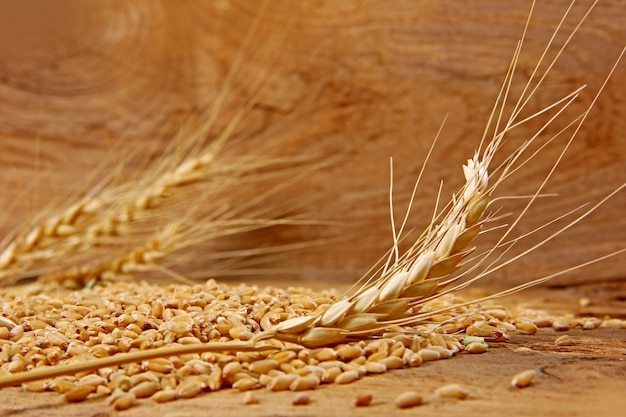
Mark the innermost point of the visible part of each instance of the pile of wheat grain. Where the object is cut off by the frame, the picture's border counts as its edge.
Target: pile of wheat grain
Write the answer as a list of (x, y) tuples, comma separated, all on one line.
[(46, 327)]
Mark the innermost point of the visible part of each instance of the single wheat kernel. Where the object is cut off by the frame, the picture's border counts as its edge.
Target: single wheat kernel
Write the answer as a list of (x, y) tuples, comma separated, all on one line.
[(165, 395), (281, 382), (563, 340), (508, 327), (284, 356), (498, 313), (263, 366), (454, 346), (248, 357), (543, 322), (286, 368), (275, 372), (562, 324), (481, 329), (392, 362), (249, 398), (375, 367), (523, 379), (429, 355), (526, 328), (452, 391), (611, 324), (17, 364), (103, 391), (241, 375), (6, 323), (359, 361), (35, 386), (16, 332), (123, 402), (301, 399), (188, 389), (408, 399), (240, 333), (364, 399), (308, 369), (330, 375), (231, 368), (589, 325), (523, 349), (92, 379), (325, 354), (264, 380), (142, 377), (144, 389), (246, 384), (62, 385), (349, 352), (347, 377), (161, 365), (299, 363), (359, 368), (214, 380), (437, 340), (305, 383), (415, 359), (188, 340), (4, 333), (397, 351), (476, 347), (443, 352), (377, 356), (79, 393)]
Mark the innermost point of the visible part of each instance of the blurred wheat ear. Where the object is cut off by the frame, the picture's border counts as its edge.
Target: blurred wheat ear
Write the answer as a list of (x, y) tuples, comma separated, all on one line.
[(197, 191)]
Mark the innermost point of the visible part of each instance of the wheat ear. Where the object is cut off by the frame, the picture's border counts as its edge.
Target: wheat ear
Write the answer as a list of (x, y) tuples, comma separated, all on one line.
[(115, 230), (424, 271)]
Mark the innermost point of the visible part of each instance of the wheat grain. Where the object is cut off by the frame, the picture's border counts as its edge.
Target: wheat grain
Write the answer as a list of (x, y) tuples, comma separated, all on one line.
[(408, 399), (476, 347), (364, 399), (123, 402), (523, 379), (301, 399), (249, 398), (564, 340), (454, 391), (79, 393)]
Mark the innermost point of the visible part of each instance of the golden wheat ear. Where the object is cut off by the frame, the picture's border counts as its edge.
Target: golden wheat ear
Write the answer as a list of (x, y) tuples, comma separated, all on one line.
[(423, 273)]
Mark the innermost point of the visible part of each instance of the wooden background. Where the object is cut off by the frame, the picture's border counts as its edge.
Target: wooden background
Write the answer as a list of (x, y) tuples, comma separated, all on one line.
[(354, 81)]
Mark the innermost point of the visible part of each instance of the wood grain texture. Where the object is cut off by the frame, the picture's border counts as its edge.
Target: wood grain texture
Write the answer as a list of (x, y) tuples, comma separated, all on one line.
[(81, 83)]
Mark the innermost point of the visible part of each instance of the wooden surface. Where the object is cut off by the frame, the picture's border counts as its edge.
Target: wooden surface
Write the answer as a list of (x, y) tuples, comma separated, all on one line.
[(358, 81)]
